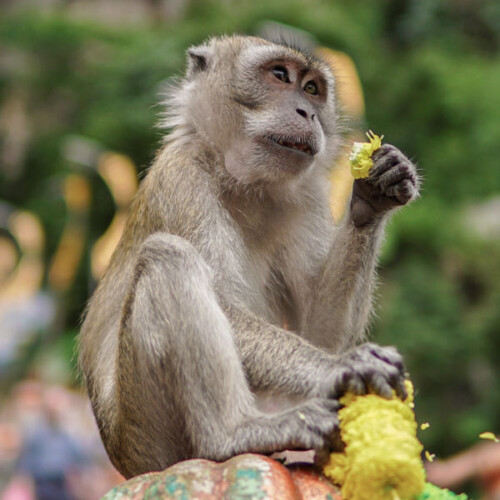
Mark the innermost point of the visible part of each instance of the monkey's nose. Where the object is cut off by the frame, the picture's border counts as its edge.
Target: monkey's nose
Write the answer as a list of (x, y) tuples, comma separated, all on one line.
[(301, 112)]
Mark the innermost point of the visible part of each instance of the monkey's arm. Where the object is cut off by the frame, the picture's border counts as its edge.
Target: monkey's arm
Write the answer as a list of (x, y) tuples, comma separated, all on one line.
[(278, 360), (339, 304), (342, 294), (339, 311)]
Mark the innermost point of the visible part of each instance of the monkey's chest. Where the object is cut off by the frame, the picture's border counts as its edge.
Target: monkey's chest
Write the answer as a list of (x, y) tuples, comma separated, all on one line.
[(265, 235), (269, 296)]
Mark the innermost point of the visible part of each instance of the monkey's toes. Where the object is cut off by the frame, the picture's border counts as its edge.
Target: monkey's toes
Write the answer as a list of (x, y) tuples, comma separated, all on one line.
[(319, 422)]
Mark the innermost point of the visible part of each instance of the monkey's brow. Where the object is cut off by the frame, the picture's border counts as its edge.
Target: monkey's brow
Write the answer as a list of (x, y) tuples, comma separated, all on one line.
[(246, 103)]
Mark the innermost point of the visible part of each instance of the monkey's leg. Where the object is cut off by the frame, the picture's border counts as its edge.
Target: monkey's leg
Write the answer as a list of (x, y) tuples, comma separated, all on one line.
[(181, 388)]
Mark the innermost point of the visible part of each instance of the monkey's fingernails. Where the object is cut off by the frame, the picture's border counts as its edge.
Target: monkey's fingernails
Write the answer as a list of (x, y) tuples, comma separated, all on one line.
[(357, 386), (393, 358), (333, 404), (341, 382), (353, 382), (381, 387), (382, 151), (401, 390), (385, 391)]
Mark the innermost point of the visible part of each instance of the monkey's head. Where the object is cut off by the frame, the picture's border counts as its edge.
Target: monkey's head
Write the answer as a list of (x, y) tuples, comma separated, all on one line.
[(269, 109)]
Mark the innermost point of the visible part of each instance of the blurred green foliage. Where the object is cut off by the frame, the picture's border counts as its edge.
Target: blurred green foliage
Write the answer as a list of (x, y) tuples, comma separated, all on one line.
[(431, 75)]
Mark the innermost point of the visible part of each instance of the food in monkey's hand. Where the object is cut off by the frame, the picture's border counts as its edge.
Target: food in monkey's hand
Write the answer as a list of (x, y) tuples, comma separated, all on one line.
[(381, 459), (382, 455), (360, 156)]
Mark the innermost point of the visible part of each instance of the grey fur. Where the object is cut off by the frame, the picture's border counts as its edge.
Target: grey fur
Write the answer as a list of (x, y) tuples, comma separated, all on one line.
[(182, 349)]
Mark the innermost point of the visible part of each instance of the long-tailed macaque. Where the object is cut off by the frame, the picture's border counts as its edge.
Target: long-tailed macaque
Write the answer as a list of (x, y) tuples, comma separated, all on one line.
[(229, 238)]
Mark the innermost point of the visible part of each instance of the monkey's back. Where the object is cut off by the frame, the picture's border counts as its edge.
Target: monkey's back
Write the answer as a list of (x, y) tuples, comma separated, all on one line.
[(177, 197)]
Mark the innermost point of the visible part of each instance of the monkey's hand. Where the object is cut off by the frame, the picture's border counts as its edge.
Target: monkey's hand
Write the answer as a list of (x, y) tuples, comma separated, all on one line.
[(393, 182), (369, 368)]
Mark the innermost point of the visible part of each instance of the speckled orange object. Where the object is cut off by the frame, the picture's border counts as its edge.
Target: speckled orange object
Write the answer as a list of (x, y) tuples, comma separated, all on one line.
[(241, 478), (311, 484)]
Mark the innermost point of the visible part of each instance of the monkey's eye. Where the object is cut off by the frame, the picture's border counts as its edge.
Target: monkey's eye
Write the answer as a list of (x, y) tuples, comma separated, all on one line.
[(280, 73), (311, 88)]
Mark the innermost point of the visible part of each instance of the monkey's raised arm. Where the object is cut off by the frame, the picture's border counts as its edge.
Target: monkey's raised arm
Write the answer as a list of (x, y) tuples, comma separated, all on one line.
[(343, 290)]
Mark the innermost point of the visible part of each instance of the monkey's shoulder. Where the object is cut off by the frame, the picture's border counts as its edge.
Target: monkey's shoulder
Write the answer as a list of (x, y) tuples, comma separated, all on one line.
[(181, 170)]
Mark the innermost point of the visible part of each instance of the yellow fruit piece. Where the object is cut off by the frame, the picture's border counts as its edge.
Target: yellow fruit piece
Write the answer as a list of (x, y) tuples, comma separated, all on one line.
[(381, 459), (488, 435), (425, 426), (360, 156)]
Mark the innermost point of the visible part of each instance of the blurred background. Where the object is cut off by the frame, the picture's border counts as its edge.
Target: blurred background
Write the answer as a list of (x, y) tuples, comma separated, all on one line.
[(80, 83)]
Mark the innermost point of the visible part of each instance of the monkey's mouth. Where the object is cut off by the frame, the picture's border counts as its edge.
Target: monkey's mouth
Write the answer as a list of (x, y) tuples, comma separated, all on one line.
[(302, 145)]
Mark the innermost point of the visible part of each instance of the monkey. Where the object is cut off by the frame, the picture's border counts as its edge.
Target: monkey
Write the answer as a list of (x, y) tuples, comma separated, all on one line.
[(232, 315)]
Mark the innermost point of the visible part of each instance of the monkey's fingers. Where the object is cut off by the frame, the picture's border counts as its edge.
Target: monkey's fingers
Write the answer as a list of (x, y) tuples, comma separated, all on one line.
[(384, 158), (389, 355), (400, 388), (376, 369), (398, 173), (380, 385), (347, 379), (403, 191), (386, 386), (386, 380), (393, 175)]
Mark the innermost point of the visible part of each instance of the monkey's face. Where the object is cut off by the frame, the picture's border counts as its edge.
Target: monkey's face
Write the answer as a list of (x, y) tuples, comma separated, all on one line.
[(269, 109)]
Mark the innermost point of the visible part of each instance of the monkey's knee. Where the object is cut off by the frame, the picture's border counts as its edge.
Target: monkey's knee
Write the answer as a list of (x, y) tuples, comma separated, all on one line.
[(170, 258), (166, 318), (171, 292)]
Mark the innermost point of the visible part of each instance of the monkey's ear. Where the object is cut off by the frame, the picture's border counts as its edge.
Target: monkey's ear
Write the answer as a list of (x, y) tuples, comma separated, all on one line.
[(199, 58)]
